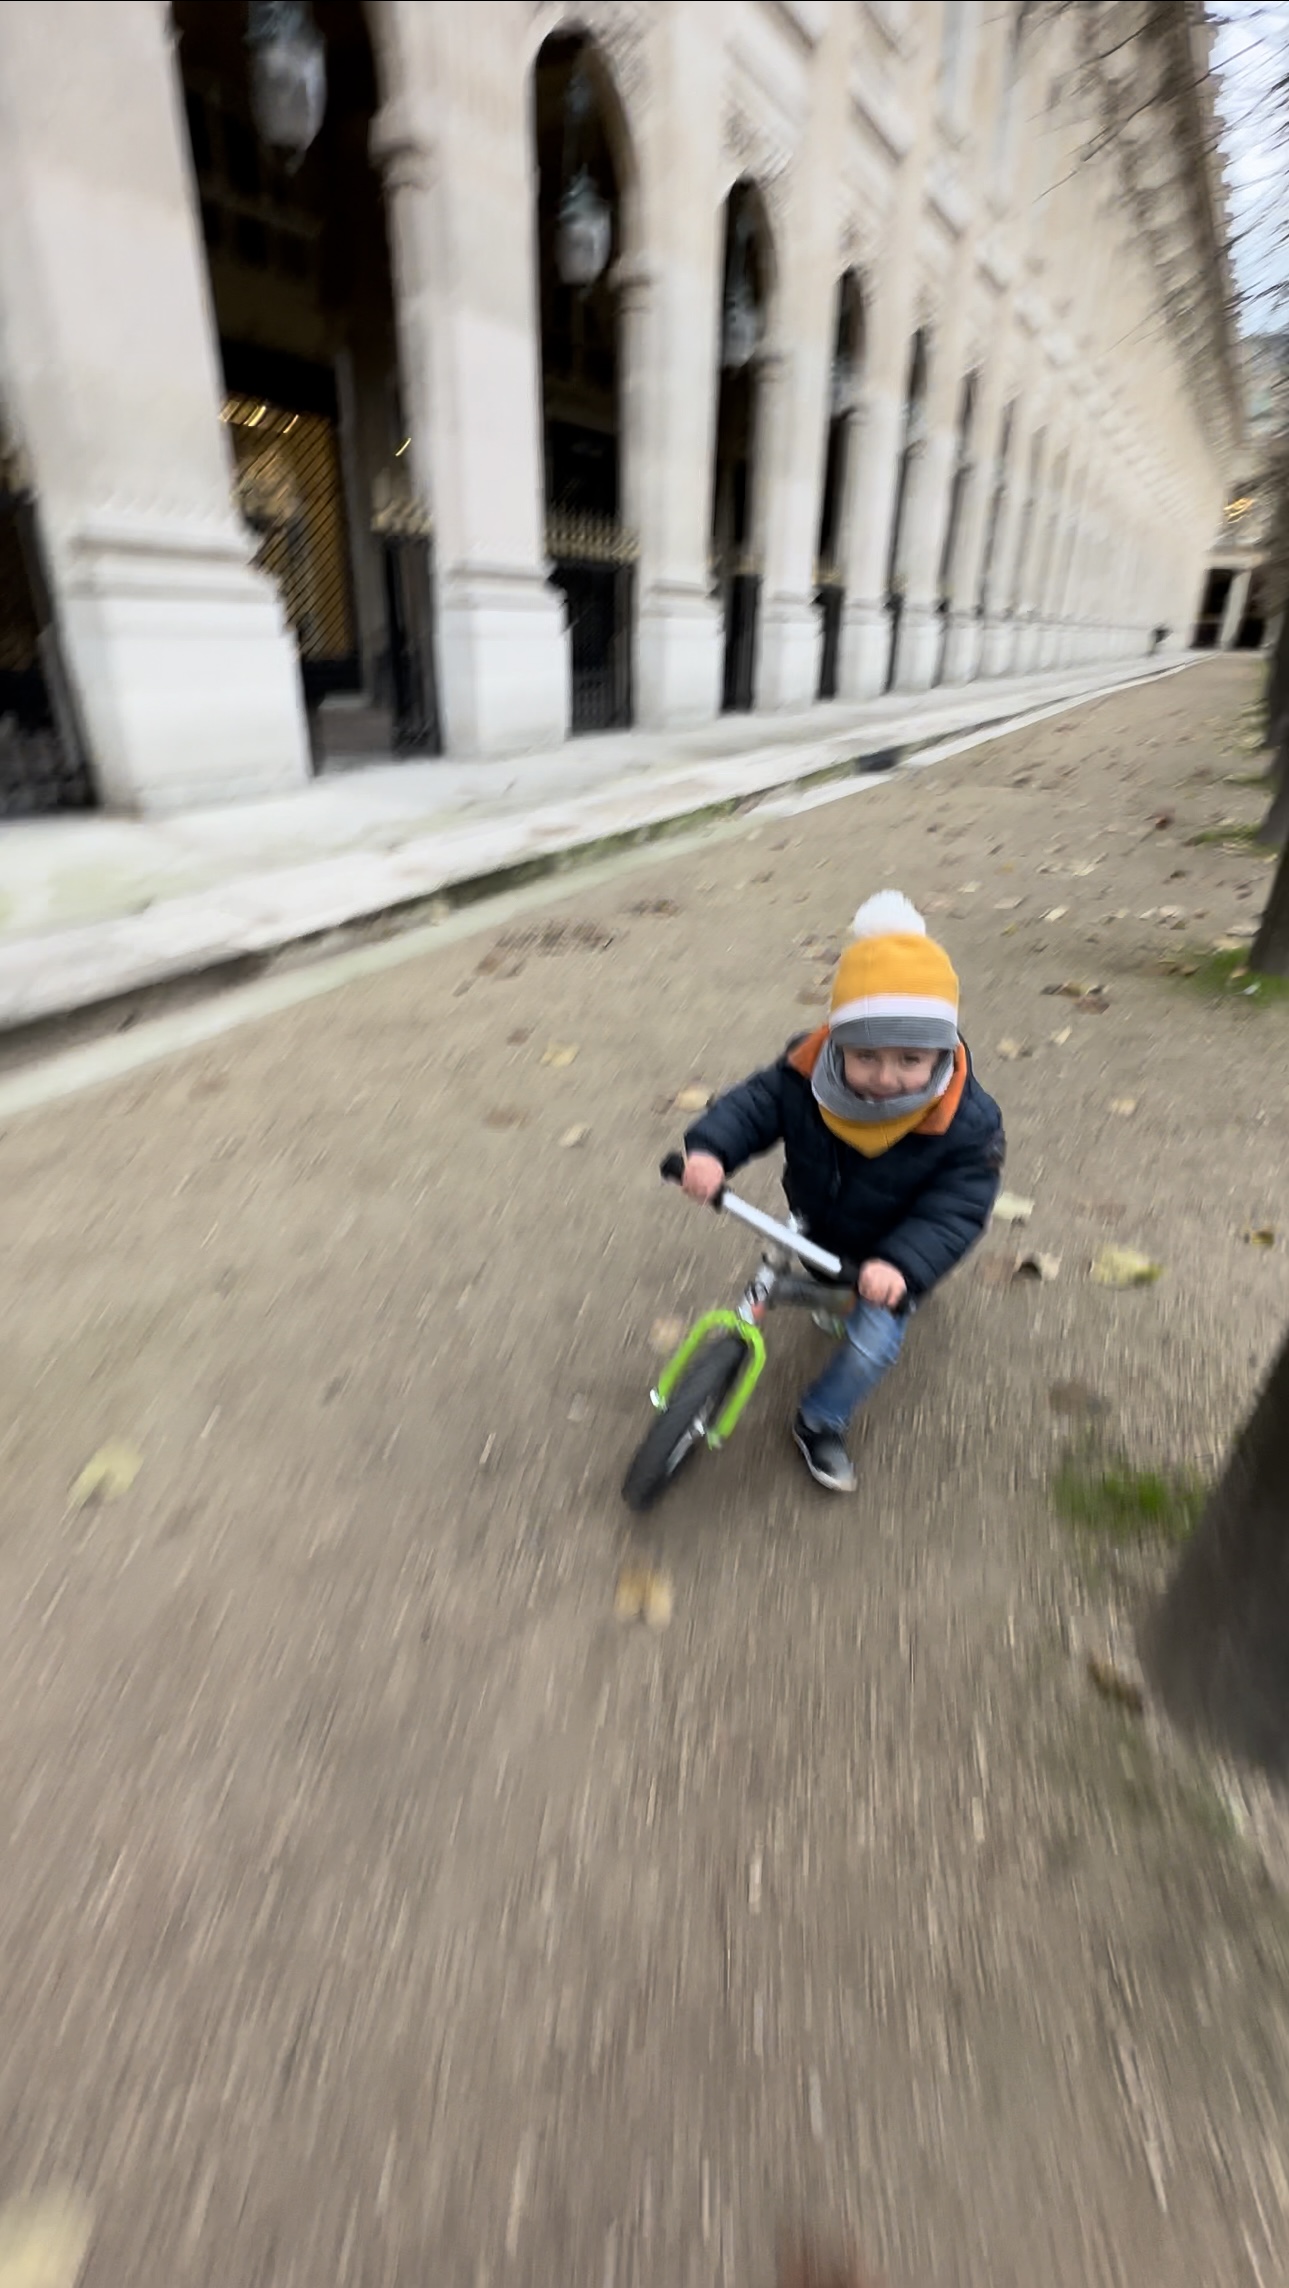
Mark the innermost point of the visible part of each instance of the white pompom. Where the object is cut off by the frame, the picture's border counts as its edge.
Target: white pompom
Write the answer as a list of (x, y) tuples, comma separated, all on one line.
[(889, 914)]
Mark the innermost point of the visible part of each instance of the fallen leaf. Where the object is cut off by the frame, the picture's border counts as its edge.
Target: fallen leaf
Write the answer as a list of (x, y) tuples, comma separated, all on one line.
[(1011, 1050), (506, 1116), (1010, 1208), (1059, 1039), (1085, 866), (43, 2241), (1162, 819), (559, 1054), (1116, 1683), (578, 1407), (665, 1335), (1093, 1004), (1056, 914), (108, 1474), (693, 1099), (1125, 1106), (1263, 1236), (968, 889), (572, 1137), (1008, 905), (1125, 1267), (641, 1595), (662, 905), (1043, 1267), (1072, 990), (658, 1601), (517, 1039)]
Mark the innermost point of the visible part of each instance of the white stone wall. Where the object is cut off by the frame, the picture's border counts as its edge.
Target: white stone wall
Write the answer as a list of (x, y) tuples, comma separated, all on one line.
[(973, 182)]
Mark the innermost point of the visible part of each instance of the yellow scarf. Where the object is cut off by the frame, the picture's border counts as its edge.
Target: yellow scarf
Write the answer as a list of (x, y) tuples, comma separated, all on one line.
[(877, 1136)]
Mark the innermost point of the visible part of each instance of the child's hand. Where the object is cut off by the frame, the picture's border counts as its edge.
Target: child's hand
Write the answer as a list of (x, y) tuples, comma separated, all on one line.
[(882, 1284), (703, 1176)]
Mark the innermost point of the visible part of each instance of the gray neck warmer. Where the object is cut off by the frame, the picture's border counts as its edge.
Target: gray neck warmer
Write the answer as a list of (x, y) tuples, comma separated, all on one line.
[(829, 1083)]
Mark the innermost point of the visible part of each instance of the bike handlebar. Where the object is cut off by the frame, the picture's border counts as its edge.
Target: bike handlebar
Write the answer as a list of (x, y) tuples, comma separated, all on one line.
[(831, 1267)]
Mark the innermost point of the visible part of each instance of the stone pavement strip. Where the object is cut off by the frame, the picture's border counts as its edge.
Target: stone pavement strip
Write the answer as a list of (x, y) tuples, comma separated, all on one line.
[(94, 908), (382, 1910)]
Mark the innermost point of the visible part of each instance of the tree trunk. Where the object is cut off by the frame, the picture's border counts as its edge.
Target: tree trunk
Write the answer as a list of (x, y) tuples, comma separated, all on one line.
[(1270, 955), (1278, 690), (1216, 1647), (1274, 830)]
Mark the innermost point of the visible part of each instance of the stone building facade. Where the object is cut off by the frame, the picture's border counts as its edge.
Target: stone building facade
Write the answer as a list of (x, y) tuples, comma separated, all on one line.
[(594, 365)]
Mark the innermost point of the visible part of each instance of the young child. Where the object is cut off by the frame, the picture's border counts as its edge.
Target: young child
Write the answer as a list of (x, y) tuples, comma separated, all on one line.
[(893, 1151)]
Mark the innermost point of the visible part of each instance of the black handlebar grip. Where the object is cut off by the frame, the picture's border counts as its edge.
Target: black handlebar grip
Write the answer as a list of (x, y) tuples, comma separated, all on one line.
[(673, 1168)]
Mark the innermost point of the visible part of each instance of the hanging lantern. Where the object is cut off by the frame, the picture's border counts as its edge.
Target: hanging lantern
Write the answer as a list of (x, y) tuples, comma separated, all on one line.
[(583, 233), (845, 387), (742, 336), (288, 75)]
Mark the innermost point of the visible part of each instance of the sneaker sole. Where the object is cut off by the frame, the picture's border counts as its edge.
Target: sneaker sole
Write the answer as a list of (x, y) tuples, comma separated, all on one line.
[(821, 1478)]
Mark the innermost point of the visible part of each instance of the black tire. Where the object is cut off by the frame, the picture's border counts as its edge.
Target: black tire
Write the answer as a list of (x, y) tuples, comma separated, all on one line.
[(694, 1404)]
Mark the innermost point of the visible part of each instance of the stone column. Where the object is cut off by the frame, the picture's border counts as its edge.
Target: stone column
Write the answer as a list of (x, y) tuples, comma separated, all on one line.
[(1236, 600), (920, 538), (464, 246), (184, 672), (866, 627), (1037, 573), (963, 646), (794, 432), (998, 636), (892, 322), (674, 347)]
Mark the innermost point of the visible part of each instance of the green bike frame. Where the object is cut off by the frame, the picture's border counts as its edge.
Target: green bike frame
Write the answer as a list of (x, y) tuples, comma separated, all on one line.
[(717, 1322)]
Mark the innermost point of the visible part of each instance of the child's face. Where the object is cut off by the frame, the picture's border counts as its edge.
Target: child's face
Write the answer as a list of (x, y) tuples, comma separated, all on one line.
[(881, 1073)]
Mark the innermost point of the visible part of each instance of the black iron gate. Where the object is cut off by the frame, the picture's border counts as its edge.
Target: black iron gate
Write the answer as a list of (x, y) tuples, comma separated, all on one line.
[(830, 600), (409, 606), (42, 756), (742, 614), (592, 564)]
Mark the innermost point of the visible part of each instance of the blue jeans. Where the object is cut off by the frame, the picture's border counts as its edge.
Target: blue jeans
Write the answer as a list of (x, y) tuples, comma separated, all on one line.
[(869, 1351)]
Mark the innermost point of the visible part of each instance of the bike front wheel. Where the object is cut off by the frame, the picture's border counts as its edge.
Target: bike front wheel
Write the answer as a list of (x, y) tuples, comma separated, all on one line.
[(694, 1405)]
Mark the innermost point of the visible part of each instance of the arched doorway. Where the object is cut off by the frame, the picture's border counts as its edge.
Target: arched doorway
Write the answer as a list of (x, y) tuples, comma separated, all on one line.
[(300, 281), (579, 237), (913, 444), (845, 383), (958, 486), (745, 301)]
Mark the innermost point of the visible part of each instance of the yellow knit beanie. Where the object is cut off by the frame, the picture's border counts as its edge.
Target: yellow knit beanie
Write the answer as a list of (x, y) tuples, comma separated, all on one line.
[(895, 988)]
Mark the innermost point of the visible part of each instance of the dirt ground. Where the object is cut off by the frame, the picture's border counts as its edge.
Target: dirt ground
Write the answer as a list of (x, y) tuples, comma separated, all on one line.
[(378, 1909)]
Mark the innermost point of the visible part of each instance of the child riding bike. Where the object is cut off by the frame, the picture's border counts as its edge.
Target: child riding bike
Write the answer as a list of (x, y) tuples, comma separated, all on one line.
[(893, 1152)]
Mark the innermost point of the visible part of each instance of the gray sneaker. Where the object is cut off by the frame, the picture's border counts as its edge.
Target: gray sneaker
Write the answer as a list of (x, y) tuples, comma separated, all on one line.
[(825, 1457)]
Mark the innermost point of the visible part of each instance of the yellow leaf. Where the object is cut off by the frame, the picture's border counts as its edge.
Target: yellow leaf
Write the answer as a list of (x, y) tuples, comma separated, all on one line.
[(43, 2241), (641, 1595), (1263, 1236), (1125, 1267), (1059, 1039), (693, 1099), (665, 1334), (1125, 1106), (572, 1137), (108, 1474), (559, 1053)]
